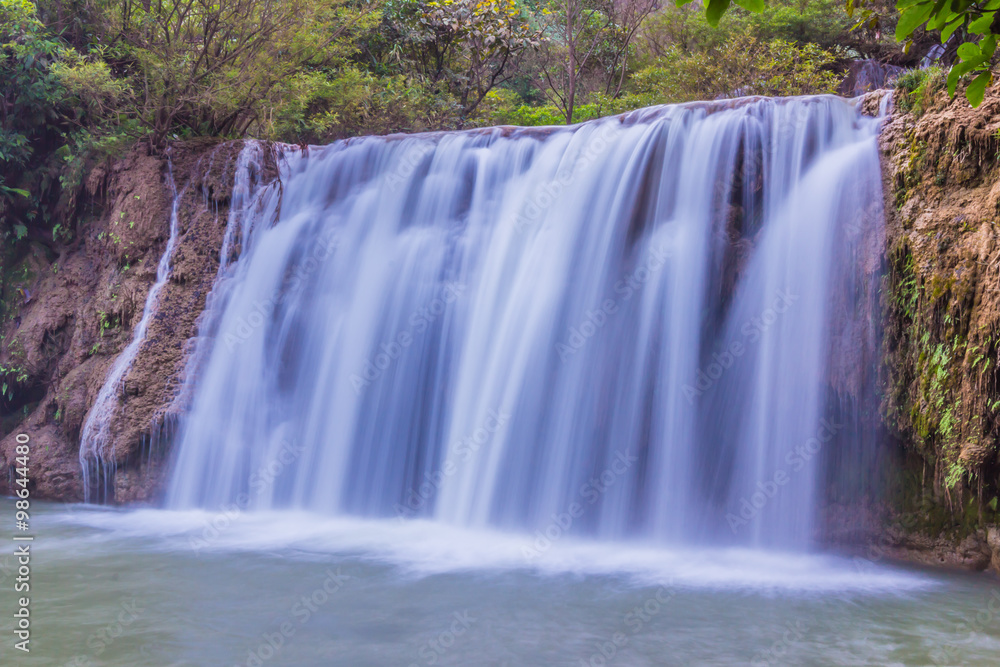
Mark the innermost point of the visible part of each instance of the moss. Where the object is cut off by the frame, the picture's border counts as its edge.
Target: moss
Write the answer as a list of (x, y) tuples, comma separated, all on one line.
[(941, 395), (911, 177)]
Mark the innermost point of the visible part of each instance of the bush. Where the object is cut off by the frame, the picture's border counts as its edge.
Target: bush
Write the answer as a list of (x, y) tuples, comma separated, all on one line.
[(318, 107), (917, 89), (743, 65)]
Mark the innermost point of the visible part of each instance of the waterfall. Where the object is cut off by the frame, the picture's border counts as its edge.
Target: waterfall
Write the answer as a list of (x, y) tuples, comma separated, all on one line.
[(96, 432), (624, 326)]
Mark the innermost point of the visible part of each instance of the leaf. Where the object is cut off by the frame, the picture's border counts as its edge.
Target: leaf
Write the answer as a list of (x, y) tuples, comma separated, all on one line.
[(960, 69), (988, 46), (756, 6), (912, 18), (940, 15), (977, 89), (953, 80), (950, 28), (980, 26), (714, 11), (968, 51)]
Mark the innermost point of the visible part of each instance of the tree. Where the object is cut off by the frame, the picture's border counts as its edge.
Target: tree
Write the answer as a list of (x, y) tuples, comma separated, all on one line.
[(740, 65), (468, 46), (588, 35), (207, 65), (48, 94), (629, 15)]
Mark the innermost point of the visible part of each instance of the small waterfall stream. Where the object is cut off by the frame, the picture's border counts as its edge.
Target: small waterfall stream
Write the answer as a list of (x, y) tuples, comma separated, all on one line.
[(95, 434)]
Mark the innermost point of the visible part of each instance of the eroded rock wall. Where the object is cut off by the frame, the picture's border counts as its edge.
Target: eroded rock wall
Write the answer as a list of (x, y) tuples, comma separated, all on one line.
[(941, 347), (78, 311)]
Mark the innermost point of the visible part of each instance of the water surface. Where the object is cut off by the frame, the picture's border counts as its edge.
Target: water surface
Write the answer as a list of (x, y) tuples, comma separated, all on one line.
[(159, 588)]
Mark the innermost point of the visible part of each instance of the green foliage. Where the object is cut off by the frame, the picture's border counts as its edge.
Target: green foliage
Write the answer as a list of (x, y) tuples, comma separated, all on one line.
[(56, 106), (209, 67), (505, 107), (30, 97), (742, 65), (11, 375), (972, 21), (917, 89), (107, 321), (106, 74), (321, 106), (466, 46), (30, 92), (907, 82)]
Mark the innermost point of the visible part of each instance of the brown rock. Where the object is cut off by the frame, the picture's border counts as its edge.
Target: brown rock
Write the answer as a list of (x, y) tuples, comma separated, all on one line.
[(86, 304)]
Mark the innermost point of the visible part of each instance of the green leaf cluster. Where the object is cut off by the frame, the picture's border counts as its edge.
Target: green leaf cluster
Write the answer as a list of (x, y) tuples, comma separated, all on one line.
[(973, 22)]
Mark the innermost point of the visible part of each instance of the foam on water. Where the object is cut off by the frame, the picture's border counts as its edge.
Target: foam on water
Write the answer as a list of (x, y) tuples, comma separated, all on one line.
[(425, 548)]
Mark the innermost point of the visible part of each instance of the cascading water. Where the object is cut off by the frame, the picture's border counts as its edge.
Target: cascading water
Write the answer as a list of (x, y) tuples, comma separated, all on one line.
[(252, 202), (624, 325), (95, 434)]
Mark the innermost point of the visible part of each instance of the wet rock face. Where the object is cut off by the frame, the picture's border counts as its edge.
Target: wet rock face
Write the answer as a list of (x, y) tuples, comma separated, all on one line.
[(993, 543), (941, 295), (85, 304)]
